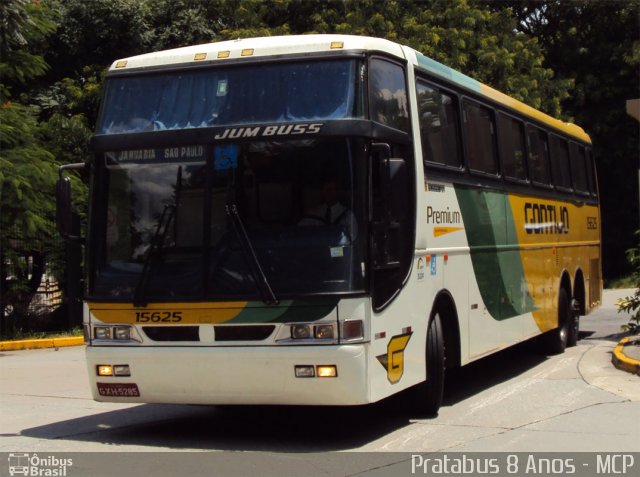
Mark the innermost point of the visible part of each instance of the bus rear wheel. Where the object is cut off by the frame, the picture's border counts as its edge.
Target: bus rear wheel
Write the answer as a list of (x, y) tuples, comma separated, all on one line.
[(555, 341), (574, 324)]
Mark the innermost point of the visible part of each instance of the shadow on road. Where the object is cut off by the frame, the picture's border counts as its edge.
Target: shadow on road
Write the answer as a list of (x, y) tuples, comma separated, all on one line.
[(278, 428)]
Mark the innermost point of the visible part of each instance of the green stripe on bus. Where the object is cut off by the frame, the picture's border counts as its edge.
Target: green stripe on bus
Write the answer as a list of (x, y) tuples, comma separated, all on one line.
[(496, 259), (287, 311), (436, 68)]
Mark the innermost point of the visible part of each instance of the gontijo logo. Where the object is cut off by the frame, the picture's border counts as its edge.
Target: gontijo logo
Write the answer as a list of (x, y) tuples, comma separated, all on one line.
[(36, 466)]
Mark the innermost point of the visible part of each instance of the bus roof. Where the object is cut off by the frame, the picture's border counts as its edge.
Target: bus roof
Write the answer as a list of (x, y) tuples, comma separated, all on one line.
[(309, 44)]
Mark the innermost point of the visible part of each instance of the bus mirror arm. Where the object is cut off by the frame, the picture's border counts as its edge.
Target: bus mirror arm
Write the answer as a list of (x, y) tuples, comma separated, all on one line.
[(64, 207)]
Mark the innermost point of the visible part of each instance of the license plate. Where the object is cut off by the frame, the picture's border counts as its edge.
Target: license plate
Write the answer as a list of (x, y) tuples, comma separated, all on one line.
[(118, 389)]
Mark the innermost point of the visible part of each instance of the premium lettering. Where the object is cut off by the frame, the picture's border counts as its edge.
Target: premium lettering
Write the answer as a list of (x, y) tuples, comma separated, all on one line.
[(444, 216)]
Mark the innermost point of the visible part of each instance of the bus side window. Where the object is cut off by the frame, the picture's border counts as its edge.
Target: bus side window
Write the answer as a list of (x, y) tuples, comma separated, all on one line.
[(578, 168), (512, 150), (388, 94), (591, 173), (479, 138), (439, 130), (560, 163), (538, 156)]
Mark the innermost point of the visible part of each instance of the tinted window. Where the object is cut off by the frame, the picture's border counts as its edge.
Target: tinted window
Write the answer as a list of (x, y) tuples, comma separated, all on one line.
[(438, 116), (578, 168), (231, 95), (388, 94), (511, 143), (538, 156), (478, 133), (560, 162), (591, 173)]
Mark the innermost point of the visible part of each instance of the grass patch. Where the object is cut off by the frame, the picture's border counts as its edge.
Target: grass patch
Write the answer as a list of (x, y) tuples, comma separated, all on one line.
[(38, 335), (630, 281)]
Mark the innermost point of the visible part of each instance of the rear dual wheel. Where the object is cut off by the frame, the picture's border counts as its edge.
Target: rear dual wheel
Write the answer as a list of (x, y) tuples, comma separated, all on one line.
[(566, 334)]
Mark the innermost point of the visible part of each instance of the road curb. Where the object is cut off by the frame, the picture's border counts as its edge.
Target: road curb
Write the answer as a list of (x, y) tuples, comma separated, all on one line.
[(622, 361), (42, 343)]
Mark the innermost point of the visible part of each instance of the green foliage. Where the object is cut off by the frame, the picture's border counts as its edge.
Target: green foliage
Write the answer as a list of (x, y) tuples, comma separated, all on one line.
[(24, 25), (631, 304), (596, 46)]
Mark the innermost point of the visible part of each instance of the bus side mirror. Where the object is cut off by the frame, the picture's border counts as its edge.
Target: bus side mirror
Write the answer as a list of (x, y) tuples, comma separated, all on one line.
[(398, 188), (392, 180), (64, 204)]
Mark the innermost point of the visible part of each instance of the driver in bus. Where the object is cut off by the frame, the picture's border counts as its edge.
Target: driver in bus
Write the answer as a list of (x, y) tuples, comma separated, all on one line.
[(331, 211)]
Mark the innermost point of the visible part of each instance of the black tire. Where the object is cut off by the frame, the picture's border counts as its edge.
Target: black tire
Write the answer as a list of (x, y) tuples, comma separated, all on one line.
[(574, 324), (433, 388), (555, 341)]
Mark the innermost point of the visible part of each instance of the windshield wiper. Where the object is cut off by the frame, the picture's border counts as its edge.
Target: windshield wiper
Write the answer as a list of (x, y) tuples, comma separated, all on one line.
[(259, 277), (157, 243)]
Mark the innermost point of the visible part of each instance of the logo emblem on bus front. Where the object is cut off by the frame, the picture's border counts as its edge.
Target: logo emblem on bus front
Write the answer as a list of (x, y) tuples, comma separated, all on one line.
[(393, 361)]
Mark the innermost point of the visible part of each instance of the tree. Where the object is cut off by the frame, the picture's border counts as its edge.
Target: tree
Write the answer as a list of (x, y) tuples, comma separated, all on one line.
[(27, 169), (597, 45)]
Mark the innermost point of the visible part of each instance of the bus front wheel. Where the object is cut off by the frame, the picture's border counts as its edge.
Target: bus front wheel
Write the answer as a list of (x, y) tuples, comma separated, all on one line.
[(430, 397)]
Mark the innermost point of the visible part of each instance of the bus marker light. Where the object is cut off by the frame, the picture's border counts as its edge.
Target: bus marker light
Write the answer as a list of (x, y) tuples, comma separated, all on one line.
[(305, 371), (327, 371), (352, 330), (121, 64), (323, 332), (199, 57), (247, 52), (105, 370), (121, 370), (337, 44), (224, 54)]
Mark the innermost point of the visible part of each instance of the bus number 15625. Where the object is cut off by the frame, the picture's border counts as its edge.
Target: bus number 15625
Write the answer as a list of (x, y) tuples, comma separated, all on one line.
[(158, 316)]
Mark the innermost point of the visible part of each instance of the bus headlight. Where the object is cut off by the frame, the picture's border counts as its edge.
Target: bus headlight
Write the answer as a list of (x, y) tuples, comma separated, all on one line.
[(300, 332), (122, 332), (323, 332), (102, 332)]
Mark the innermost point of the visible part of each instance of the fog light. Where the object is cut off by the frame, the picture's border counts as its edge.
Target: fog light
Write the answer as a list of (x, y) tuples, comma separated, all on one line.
[(121, 370), (105, 370), (300, 332), (102, 332), (327, 371), (352, 330), (323, 332), (122, 333), (305, 372)]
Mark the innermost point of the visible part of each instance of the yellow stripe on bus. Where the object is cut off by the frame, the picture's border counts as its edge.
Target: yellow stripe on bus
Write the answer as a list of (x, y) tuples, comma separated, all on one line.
[(170, 313)]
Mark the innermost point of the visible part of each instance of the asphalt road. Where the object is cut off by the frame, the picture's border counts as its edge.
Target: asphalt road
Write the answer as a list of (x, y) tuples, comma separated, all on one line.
[(514, 401)]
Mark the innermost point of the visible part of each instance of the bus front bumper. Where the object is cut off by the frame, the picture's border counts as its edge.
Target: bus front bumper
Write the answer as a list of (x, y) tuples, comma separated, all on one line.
[(230, 375)]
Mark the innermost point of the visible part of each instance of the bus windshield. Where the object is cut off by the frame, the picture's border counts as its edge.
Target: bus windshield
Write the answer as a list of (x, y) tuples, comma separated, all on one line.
[(202, 227), (221, 96)]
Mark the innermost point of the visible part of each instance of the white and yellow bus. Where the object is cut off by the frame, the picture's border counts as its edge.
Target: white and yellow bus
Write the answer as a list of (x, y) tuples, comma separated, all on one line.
[(325, 220)]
